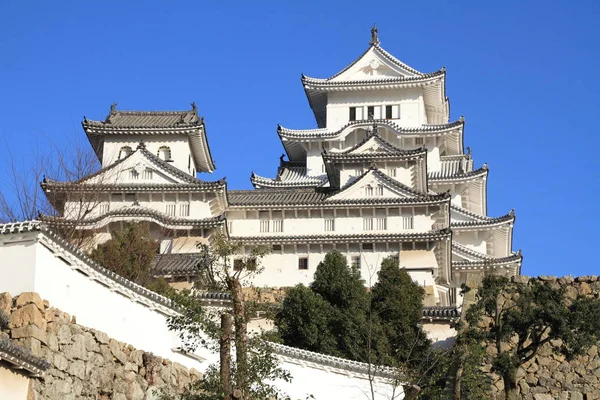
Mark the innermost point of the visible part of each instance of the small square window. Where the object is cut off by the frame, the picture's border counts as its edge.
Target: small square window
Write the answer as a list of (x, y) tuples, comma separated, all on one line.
[(367, 246), (276, 247), (303, 263), (251, 264)]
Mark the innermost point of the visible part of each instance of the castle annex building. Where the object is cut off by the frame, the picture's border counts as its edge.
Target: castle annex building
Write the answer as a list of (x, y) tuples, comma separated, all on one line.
[(384, 173)]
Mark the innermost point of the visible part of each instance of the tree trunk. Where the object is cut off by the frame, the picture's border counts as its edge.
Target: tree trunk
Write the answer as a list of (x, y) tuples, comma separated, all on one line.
[(510, 385), (241, 338), (457, 381), (225, 355)]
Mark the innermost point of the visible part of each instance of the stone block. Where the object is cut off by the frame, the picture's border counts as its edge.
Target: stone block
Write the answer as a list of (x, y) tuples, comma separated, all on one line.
[(542, 396), (60, 362), (77, 368), (27, 315), (575, 395), (101, 337), (64, 335), (6, 301), (76, 350), (29, 331), (30, 298)]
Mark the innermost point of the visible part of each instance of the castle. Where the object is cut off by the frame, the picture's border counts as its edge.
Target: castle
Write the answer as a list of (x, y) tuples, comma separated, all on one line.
[(385, 173)]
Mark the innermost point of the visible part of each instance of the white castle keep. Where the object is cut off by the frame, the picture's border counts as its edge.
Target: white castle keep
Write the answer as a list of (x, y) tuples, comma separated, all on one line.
[(384, 174)]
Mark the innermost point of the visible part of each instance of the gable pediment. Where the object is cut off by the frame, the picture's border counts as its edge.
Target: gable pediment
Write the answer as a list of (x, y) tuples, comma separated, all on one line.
[(372, 65), (373, 184), (374, 145), (138, 167)]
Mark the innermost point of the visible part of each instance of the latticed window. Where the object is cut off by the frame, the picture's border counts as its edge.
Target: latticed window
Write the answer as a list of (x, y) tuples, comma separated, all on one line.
[(407, 222), (171, 209), (278, 225), (104, 208), (419, 141), (329, 225), (381, 223), (379, 190), (164, 153), (392, 172), (369, 191), (303, 263), (134, 175), (264, 225), (184, 209), (367, 224), (147, 174)]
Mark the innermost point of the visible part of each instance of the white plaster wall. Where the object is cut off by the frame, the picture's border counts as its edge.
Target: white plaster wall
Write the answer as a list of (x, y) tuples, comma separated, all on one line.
[(313, 226), (93, 304), (412, 109), (471, 240), (325, 385), (433, 159), (440, 333), (180, 149), (13, 385)]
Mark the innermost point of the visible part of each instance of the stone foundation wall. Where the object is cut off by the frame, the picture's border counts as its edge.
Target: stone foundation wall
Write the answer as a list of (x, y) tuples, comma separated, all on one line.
[(86, 364), (549, 375)]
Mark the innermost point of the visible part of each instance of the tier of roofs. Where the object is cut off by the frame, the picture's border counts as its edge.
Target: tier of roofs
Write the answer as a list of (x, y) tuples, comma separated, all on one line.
[(146, 123)]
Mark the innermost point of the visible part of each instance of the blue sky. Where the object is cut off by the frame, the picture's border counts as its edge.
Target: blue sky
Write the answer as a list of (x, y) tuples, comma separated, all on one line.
[(523, 73)]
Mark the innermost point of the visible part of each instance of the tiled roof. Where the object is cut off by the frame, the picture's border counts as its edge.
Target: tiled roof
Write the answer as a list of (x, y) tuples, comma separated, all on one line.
[(143, 123), (334, 362), (459, 176), (346, 238), (138, 211), (289, 176), (176, 264), (148, 119), (315, 83), (325, 133), (440, 313), (481, 259), (489, 221), (198, 184), (21, 357)]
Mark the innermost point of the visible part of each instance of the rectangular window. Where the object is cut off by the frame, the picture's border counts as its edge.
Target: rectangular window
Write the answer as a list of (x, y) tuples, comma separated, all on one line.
[(352, 113), (388, 112), (367, 224), (329, 225), (392, 172), (381, 223), (230, 225), (133, 174), (367, 246), (355, 263), (147, 175), (277, 247), (184, 210), (264, 226), (407, 223), (303, 263), (171, 209), (104, 208), (379, 190), (368, 191), (251, 264), (419, 141), (371, 112), (357, 172), (278, 225)]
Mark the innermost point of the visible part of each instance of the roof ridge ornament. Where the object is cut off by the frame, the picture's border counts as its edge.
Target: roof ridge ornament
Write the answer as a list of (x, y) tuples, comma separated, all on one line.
[(374, 36), (194, 107)]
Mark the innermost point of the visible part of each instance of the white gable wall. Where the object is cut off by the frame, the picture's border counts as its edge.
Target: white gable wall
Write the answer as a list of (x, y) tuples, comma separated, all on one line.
[(410, 101), (180, 149)]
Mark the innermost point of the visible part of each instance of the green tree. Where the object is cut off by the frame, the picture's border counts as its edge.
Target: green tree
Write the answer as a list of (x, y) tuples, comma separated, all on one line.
[(397, 301), (248, 375), (518, 318), (128, 253)]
